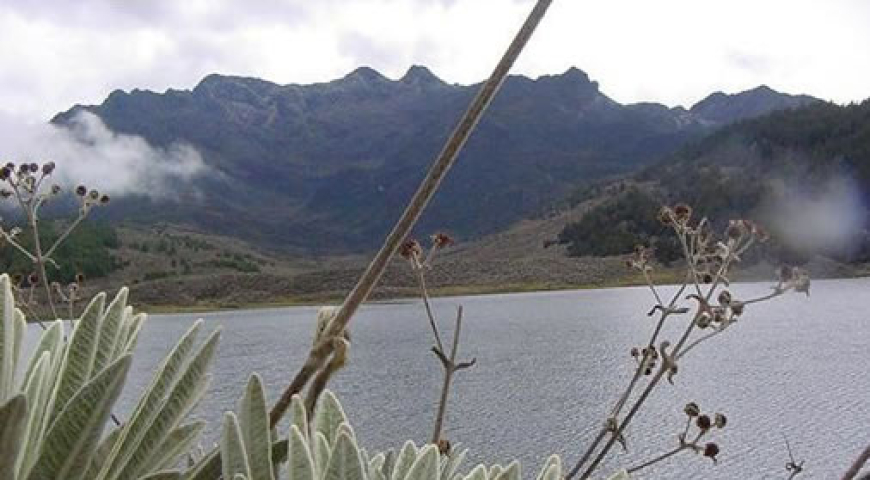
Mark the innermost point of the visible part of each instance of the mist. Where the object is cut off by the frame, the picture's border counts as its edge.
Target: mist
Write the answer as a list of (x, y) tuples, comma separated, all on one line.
[(87, 152), (828, 219)]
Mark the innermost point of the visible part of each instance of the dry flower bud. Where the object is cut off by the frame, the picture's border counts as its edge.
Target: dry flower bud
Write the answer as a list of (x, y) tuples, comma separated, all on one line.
[(703, 422), (682, 213), (634, 352), (104, 199), (442, 240), (33, 279), (707, 278), (720, 420), (47, 168), (81, 190), (410, 249), (736, 229), (737, 308), (444, 446), (55, 189), (23, 168), (34, 168), (711, 450), (725, 297), (692, 409), (703, 321), (5, 172), (666, 216), (94, 195)]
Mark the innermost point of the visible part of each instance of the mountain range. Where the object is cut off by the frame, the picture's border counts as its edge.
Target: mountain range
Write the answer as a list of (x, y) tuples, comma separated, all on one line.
[(327, 167)]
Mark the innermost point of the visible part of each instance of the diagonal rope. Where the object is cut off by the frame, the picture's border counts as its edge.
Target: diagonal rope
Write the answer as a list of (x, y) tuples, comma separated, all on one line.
[(319, 354)]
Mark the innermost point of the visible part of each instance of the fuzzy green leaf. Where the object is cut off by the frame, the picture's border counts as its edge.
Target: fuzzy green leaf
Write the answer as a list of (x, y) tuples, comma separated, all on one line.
[(179, 441), (7, 338), (406, 458), (13, 414), (345, 462), (184, 395), (234, 459), (321, 452), (109, 329), (254, 424), (80, 352), (172, 367), (426, 466), (73, 437), (620, 475), (328, 415), (478, 473), (300, 465), (511, 472)]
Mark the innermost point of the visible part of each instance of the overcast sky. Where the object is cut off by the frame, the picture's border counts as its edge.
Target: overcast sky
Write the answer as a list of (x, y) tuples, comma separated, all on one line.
[(54, 53)]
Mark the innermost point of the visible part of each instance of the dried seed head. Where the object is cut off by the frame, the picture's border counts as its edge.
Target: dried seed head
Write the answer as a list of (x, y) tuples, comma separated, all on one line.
[(720, 420), (634, 352), (47, 168), (410, 249), (55, 189), (24, 168), (801, 281), (666, 216), (692, 409), (737, 308), (711, 450), (725, 298), (104, 199), (648, 371), (736, 229), (703, 321), (707, 278), (442, 240), (5, 193), (94, 195), (5, 172), (81, 190), (34, 168), (444, 446), (33, 279), (682, 213), (703, 422)]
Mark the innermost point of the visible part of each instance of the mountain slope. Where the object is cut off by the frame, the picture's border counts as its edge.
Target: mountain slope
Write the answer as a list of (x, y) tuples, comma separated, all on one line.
[(804, 173), (327, 167)]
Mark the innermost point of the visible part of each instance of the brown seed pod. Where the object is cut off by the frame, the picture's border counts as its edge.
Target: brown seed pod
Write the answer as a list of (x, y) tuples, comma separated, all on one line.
[(682, 213), (724, 297), (81, 190), (634, 352), (47, 168), (692, 409), (703, 422), (104, 199), (410, 249), (666, 216), (33, 279), (720, 420), (711, 450), (441, 240)]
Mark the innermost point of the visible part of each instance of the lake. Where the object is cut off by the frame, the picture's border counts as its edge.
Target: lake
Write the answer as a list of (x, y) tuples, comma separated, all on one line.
[(551, 364)]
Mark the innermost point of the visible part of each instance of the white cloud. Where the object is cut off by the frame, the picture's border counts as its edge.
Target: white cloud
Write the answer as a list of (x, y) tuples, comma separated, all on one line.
[(89, 153), (56, 53)]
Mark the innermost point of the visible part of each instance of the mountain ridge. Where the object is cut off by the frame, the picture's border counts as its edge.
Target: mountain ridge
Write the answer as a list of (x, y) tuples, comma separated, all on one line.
[(328, 166)]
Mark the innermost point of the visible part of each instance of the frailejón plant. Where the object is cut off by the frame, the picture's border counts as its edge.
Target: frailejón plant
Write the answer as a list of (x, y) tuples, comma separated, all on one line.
[(55, 407)]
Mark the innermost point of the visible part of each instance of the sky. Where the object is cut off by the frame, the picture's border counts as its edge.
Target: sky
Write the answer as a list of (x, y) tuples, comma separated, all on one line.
[(56, 53)]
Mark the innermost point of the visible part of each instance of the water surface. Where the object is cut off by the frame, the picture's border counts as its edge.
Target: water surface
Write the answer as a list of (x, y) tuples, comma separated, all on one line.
[(550, 364)]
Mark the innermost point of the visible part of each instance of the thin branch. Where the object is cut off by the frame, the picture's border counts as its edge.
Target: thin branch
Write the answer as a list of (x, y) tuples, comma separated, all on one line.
[(424, 293), (658, 459), (65, 234), (415, 207), (857, 465)]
